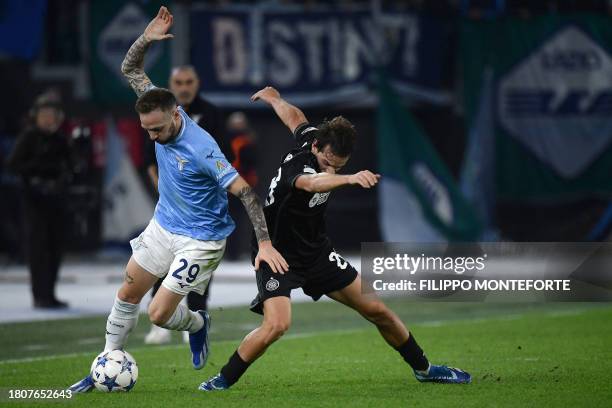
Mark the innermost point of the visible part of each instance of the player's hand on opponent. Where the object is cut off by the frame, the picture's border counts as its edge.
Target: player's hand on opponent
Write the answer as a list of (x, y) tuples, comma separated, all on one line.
[(267, 94), (267, 253), (364, 178), (159, 26)]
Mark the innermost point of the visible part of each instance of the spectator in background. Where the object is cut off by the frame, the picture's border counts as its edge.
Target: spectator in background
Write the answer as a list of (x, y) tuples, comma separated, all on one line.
[(41, 157), (241, 139), (184, 83)]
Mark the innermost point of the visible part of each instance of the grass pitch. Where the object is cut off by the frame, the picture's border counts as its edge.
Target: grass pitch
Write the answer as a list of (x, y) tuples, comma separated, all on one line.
[(518, 355)]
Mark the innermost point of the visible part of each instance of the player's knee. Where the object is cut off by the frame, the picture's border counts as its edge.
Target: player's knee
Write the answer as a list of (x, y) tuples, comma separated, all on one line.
[(126, 296), (158, 316), (276, 328)]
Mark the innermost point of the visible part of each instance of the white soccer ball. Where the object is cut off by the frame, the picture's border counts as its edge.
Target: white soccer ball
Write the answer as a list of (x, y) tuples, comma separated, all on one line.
[(114, 370)]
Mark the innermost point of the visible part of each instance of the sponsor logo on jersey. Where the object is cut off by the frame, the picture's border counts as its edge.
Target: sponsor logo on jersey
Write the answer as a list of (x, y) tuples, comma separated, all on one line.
[(557, 102), (318, 199)]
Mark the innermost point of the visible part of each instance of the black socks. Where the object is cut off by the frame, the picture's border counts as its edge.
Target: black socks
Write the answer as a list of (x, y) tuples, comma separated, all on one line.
[(410, 351), (234, 368), (413, 354)]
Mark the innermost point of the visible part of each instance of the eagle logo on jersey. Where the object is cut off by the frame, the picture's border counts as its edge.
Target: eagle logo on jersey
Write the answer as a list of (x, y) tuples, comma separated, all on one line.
[(138, 243), (181, 163)]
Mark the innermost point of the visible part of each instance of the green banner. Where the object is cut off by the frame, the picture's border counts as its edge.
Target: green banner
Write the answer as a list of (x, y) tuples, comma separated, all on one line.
[(407, 157), (551, 104), (115, 24)]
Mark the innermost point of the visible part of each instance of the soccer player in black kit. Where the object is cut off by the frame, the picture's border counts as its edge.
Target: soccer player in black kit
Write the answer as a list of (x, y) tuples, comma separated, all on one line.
[(294, 212)]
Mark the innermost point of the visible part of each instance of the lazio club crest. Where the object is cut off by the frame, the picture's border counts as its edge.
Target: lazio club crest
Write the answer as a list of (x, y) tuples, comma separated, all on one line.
[(181, 163), (556, 102)]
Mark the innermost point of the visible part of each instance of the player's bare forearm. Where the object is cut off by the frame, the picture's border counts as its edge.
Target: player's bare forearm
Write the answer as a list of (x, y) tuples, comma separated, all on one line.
[(321, 182), (133, 66), (253, 207), (325, 182), (291, 115)]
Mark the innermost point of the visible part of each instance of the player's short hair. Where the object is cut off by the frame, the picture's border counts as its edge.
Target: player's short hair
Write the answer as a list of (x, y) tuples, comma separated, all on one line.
[(156, 98), (339, 133)]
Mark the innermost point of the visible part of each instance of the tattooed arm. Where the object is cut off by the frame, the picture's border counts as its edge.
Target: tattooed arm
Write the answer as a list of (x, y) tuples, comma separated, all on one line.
[(133, 66), (252, 205), (133, 63)]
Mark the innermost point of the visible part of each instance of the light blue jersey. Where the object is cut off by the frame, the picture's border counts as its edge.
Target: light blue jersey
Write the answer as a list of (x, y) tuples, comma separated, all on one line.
[(193, 177)]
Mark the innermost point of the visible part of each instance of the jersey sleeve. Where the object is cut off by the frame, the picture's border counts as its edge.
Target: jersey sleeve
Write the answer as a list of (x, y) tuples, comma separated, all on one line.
[(304, 133), (294, 167), (216, 166)]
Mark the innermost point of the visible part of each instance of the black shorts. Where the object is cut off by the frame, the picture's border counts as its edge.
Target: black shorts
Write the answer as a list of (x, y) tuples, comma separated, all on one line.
[(328, 273)]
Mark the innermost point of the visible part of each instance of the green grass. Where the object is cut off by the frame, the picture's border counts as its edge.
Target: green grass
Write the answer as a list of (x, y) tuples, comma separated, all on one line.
[(527, 355)]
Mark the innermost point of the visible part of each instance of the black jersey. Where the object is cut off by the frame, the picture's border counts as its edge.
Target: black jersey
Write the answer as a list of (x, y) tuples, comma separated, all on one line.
[(296, 218)]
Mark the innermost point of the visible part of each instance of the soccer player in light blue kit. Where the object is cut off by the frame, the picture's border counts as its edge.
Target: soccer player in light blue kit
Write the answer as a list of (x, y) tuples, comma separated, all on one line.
[(185, 240)]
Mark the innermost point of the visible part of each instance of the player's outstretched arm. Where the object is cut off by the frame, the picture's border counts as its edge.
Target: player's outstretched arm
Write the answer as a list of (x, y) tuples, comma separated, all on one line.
[(252, 205), (324, 182), (291, 116), (133, 63)]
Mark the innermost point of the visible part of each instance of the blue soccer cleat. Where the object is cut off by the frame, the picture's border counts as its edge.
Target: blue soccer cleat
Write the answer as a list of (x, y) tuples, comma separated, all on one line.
[(444, 374), (216, 383), (85, 385), (198, 342)]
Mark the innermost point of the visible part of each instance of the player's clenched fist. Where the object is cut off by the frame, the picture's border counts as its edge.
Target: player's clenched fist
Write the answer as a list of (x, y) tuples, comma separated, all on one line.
[(266, 94), (364, 178), (159, 26)]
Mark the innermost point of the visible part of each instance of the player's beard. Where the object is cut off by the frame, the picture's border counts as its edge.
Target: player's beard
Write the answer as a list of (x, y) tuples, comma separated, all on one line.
[(172, 132)]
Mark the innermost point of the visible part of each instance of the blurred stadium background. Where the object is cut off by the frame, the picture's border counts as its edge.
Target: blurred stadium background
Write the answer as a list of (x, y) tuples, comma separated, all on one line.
[(489, 119)]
